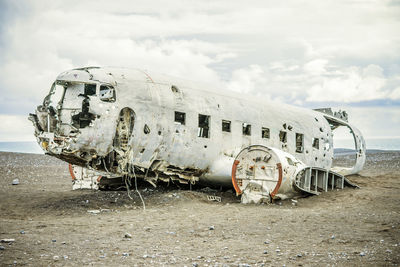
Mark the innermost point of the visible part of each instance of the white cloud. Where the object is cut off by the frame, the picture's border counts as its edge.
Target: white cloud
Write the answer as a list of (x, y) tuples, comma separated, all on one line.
[(291, 51), (16, 128), (395, 94), (352, 85), (375, 121), (245, 80), (316, 67)]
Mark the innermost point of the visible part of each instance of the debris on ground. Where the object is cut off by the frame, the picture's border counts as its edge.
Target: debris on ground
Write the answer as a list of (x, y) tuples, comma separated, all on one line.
[(94, 211), (7, 240), (128, 235), (214, 198)]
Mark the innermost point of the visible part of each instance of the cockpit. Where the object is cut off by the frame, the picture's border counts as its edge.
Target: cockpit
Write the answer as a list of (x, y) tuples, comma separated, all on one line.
[(61, 90)]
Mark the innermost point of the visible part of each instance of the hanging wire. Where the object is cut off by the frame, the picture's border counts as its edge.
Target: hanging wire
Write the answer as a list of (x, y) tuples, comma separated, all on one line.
[(140, 195), (128, 184)]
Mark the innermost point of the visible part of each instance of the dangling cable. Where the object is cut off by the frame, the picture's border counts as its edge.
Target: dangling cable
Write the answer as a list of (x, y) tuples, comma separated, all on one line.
[(144, 205), (127, 184)]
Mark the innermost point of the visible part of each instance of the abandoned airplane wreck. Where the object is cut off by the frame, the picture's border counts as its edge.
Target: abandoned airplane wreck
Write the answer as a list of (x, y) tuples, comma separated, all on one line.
[(113, 122)]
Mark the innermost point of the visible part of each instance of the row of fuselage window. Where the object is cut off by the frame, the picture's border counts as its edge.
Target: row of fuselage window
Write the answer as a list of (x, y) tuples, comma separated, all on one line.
[(204, 130)]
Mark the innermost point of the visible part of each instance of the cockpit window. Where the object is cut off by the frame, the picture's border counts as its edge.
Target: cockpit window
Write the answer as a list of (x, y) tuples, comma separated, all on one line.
[(55, 95), (107, 93), (90, 89)]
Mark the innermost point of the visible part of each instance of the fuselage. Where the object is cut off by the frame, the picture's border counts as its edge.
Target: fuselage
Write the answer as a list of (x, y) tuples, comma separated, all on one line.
[(163, 126)]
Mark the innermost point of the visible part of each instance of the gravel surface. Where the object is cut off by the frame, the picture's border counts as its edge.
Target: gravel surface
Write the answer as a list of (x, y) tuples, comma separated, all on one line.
[(44, 222)]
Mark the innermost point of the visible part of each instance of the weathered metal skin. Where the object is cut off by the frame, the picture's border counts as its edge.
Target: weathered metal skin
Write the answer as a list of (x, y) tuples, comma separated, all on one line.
[(122, 122), (261, 174)]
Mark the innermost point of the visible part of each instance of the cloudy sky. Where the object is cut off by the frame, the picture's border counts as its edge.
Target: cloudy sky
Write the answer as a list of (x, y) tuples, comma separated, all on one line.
[(343, 54)]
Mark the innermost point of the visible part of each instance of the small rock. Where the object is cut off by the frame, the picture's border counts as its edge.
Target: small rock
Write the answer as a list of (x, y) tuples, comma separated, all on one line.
[(333, 237), (128, 235), (54, 240), (22, 232), (2, 248), (93, 211), (266, 242), (362, 253), (277, 250), (7, 240), (389, 251), (56, 258), (265, 252), (211, 227), (195, 264), (65, 257), (63, 242), (15, 182), (299, 255), (125, 254)]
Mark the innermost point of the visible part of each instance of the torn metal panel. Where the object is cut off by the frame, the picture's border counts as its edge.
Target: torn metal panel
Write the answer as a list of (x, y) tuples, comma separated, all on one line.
[(359, 146), (83, 178), (261, 173), (127, 122)]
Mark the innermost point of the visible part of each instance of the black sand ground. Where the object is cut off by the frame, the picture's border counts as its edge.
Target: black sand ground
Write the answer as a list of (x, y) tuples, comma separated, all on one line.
[(51, 224)]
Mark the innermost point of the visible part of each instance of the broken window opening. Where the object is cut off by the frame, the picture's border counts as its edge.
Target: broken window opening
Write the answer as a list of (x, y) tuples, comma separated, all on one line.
[(107, 93), (204, 126), (315, 143), (146, 129), (55, 96), (299, 143), (90, 89), (265, 132), (226, 126), (246, 128), (83, 118), (283, 136), (180, 117)]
